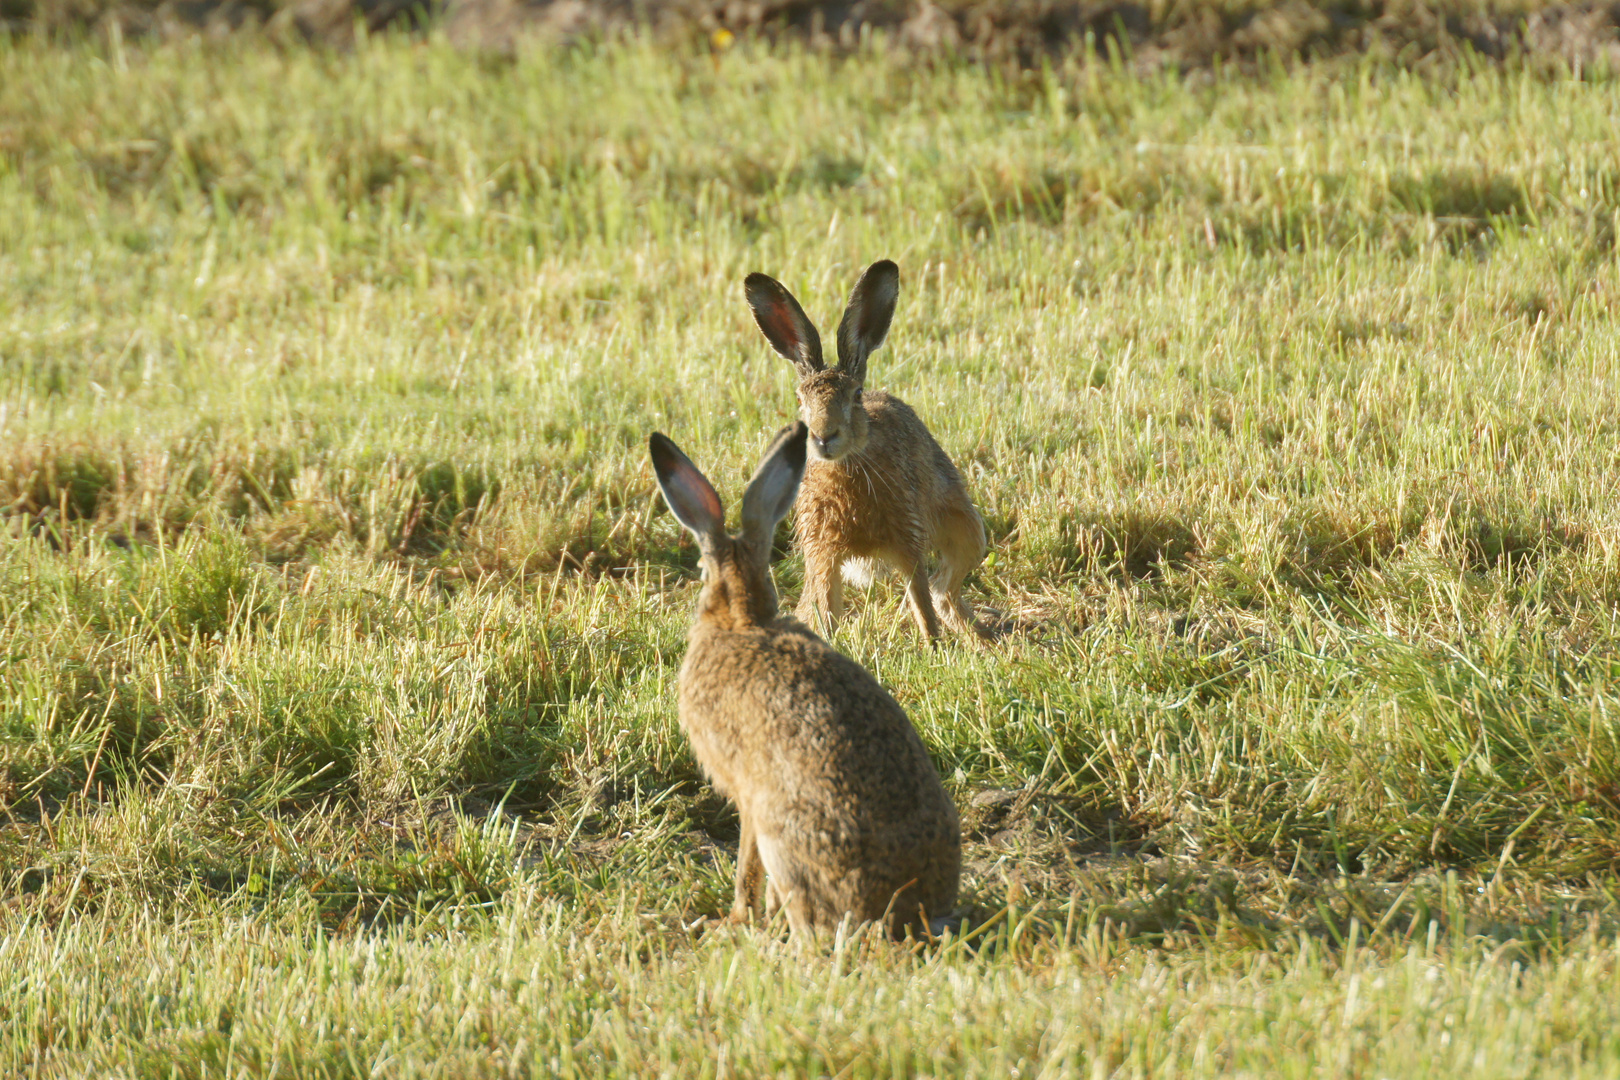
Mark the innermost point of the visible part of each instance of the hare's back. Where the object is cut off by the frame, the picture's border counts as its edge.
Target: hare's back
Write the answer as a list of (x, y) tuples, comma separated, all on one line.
[(898, 438), (778, 705)]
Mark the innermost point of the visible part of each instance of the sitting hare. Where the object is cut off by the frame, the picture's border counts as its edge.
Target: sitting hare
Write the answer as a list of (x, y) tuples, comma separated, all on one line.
[(878, 489), (839, 803)]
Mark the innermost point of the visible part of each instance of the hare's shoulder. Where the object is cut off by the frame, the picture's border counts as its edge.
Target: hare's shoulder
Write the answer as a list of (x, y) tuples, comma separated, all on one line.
[(893, 423), (784, 669), (880, 404)]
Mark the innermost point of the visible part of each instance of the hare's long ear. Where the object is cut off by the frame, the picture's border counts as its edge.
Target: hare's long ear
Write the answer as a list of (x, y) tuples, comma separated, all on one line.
[(866, 320), (775, 484), (784, 323), (688, 492)]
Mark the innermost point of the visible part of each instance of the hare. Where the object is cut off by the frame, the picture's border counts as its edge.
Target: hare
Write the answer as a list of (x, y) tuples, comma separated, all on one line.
[(878, 489), (839, 803)]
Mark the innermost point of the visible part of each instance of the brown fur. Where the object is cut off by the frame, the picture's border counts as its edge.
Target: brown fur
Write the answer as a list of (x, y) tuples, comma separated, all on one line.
[(839, 803), (878, 487)]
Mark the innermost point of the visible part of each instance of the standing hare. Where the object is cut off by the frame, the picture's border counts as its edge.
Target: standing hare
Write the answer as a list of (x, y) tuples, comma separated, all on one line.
[(879, 489), (838, 800)]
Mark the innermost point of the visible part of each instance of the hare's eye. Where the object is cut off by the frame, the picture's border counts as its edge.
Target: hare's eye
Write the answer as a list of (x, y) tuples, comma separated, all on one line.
[(857, 393)]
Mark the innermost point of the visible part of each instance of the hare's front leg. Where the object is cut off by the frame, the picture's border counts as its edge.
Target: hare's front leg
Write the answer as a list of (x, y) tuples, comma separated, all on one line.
[(749, 871), (823, 596)]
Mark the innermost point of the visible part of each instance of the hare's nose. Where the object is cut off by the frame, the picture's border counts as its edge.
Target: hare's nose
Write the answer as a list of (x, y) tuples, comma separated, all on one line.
[(824, 442)]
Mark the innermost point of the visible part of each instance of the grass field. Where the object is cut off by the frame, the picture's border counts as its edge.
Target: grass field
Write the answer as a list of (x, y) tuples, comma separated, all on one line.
[(339, 616)]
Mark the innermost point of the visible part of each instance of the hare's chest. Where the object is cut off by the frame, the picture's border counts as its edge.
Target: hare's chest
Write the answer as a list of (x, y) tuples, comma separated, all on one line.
[(855, 509)]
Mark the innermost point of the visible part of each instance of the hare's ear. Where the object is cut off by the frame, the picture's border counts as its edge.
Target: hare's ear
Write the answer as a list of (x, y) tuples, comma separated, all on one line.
[(688, 492), (775, 484), (866, 320), (784, 323)]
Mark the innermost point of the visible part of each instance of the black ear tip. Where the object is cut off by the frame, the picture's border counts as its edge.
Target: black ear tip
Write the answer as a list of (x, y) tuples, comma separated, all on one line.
[(761, 285), (665, 454)]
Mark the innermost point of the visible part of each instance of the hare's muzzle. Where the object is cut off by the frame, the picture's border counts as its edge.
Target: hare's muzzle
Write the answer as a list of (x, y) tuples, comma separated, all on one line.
[(828, 446)]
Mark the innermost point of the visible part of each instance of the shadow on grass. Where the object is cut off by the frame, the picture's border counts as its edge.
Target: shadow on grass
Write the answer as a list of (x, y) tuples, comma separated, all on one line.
[(1137, 541)]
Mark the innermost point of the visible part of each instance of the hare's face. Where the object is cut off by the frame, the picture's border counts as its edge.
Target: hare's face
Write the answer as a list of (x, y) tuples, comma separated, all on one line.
[(830, 405)]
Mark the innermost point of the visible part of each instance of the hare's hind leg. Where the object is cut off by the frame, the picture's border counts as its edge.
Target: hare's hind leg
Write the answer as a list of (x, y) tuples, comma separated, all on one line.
[(960, 539), (823, 596), (922, 602), (773, 899), (750, 869), (801, 916), (787, 886)]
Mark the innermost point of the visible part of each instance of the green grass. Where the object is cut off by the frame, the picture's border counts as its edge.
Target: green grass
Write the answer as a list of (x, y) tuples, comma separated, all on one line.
[(339, 616), (531, 991)]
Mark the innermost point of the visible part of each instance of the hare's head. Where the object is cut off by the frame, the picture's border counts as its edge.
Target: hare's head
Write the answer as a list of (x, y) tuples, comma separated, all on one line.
[(737, 589), (829, 397)]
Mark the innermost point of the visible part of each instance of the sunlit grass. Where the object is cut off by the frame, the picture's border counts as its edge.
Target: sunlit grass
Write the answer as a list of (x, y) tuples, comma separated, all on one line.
[(337, 608)]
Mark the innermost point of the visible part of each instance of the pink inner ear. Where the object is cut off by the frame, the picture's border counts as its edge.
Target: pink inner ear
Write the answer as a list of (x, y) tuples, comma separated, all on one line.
[(695, 484), (782, 317)]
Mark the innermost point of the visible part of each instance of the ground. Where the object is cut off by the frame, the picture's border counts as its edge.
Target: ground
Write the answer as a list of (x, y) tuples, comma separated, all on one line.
[(341, 617)]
